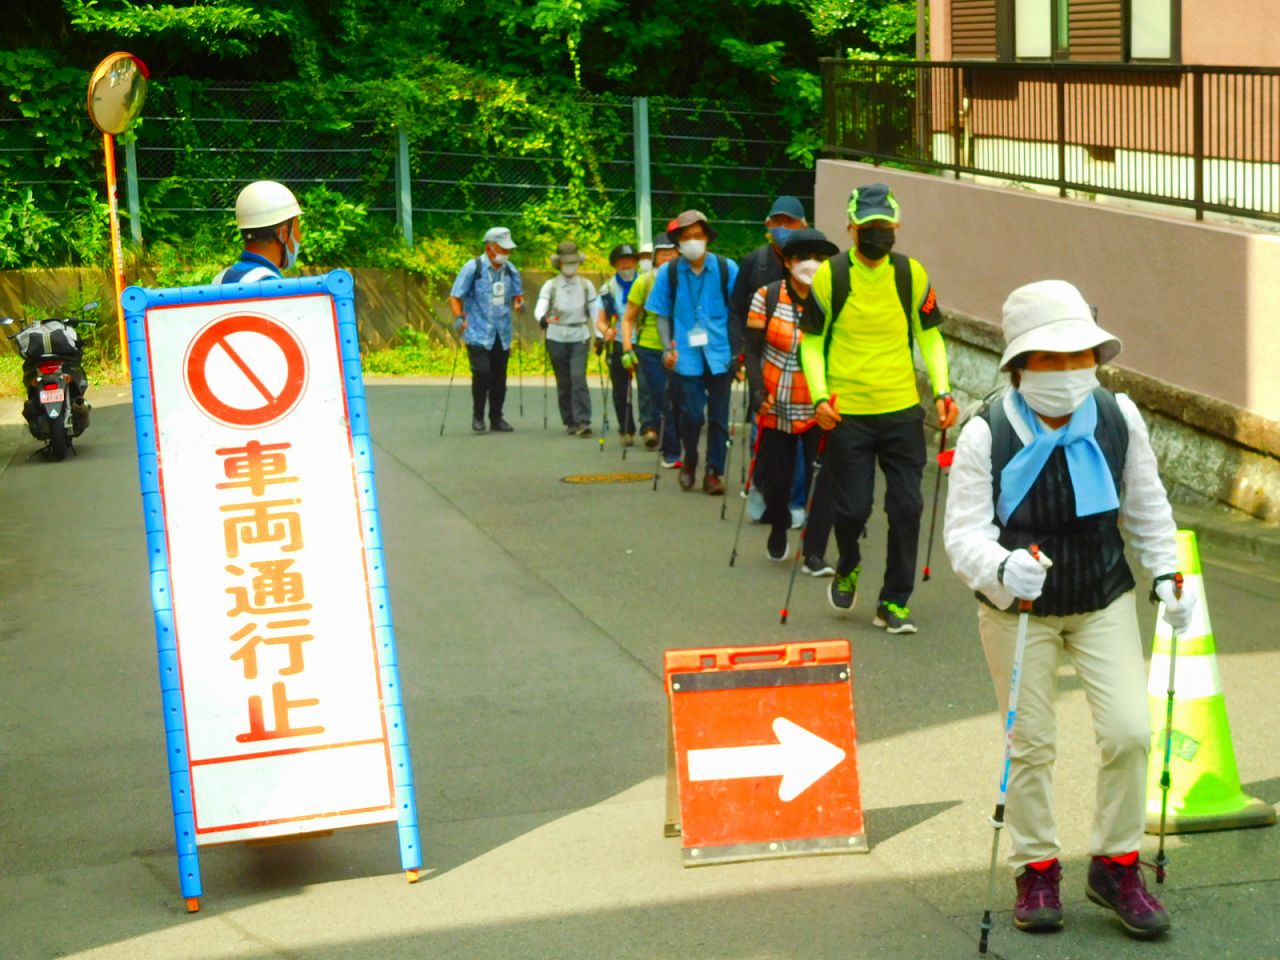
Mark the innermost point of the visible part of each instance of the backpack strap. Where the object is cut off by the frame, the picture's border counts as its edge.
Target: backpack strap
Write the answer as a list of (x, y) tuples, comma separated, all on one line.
[(723, 265), (902, 281), (771, 295)]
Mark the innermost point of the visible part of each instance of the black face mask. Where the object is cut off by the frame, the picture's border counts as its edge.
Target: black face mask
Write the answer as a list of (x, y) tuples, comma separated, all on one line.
[(876, 242)]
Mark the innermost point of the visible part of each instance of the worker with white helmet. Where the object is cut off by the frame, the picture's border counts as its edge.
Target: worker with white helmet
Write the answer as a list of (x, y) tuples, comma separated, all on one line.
[(269, 219)]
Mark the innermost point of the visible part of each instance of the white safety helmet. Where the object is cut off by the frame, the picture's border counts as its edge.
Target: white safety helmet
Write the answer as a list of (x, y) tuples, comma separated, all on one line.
[(265, 203)]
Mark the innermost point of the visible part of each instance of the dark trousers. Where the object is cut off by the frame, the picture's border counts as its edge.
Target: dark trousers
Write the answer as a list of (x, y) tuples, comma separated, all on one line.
[(488, 378), (620, 378), (660, 401), (705, 398), (775, 472), (856, 445), (569, 362)]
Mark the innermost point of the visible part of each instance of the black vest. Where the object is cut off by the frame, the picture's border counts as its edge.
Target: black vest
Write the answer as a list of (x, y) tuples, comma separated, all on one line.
[(1089, 569)]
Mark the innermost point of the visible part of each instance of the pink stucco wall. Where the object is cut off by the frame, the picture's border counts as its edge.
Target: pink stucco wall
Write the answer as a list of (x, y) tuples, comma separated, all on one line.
[(1193, 303), (1231, 32)]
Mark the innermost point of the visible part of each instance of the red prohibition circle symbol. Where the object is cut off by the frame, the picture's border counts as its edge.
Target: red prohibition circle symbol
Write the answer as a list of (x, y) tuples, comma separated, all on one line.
[(251, 383)]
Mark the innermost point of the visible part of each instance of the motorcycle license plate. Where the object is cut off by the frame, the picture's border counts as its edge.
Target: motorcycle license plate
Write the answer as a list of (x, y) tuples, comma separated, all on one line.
[(52, 396)]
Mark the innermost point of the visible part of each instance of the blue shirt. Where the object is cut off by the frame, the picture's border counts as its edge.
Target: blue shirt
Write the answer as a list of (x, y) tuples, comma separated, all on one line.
[(700, 305), (248, 268), (613, 300), (486, 320)]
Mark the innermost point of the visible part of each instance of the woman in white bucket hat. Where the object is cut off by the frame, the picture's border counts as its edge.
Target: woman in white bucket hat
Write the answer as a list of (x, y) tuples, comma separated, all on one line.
[(1060, 462)]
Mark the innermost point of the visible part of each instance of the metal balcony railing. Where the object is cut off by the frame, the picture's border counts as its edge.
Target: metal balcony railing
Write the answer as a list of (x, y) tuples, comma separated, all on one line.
[(1205, 138)]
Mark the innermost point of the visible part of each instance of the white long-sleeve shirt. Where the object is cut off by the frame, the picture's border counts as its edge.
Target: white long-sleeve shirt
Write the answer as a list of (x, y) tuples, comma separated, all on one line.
[(575, 306), (970, 532)]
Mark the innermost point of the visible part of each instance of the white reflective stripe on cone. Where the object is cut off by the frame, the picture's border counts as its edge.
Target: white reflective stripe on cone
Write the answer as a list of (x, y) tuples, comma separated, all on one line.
[(1194, 677), (1199, 626)]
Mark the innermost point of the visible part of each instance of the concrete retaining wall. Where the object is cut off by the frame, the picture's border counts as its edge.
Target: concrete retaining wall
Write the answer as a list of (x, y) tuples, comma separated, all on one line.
[(1193, 304)]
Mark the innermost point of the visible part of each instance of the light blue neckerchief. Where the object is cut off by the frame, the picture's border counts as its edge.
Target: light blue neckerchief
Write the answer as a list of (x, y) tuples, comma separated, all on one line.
[(1091, 478)]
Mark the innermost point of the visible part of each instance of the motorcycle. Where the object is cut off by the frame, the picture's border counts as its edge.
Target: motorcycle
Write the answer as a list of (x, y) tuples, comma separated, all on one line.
[(56, 410)]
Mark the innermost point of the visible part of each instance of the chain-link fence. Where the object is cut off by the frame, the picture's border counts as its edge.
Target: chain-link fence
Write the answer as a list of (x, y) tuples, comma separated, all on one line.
[(199, 144)]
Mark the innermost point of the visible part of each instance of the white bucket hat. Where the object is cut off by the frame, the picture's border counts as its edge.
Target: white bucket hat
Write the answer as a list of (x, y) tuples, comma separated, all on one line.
[(1052, 315)]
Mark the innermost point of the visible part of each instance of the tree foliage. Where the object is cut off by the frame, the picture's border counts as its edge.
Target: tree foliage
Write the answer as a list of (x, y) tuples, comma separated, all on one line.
[(500, 78)]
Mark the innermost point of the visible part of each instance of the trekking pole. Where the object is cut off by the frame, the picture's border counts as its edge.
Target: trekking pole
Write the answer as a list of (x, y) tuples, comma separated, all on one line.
[(520, 373), (997, 820), (546, 364), (1161, 860), (733, 431), (457, 345), (746, 490), (604, 400), (626, 414), (808, 511), (943, 462)]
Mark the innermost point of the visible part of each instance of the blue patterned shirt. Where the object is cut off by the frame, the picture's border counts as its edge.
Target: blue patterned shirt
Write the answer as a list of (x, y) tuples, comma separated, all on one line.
[(486, 320)]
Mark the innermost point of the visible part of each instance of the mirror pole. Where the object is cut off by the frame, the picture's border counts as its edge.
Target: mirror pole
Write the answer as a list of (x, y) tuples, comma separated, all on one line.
[(117, 254)]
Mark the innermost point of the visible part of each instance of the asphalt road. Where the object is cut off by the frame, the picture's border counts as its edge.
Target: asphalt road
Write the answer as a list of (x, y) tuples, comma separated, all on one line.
[(532, 615)]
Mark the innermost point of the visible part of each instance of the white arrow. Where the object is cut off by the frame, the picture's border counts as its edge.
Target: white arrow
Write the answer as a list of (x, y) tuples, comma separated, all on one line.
[(801, 758)]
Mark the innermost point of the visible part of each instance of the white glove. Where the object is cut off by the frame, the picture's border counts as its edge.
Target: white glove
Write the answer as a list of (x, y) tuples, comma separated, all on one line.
[(1024, 574), (1177, 610)]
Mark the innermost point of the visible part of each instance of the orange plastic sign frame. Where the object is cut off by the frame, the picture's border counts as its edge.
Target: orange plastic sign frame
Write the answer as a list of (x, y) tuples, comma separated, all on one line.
[(763, 748)]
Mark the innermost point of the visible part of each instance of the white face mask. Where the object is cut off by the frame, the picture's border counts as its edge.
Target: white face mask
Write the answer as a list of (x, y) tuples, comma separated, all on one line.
[(804, 271), (1057, 393), (568, 269), (693, 249), (627, 275), (500, 258), (646, 266)]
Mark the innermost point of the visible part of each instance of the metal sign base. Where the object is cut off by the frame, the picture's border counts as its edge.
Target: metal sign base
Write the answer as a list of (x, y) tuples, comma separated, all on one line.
[(775, 850)]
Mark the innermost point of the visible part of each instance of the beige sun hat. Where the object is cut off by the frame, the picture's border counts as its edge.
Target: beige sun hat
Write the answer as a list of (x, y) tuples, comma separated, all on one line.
[(1052, 315)]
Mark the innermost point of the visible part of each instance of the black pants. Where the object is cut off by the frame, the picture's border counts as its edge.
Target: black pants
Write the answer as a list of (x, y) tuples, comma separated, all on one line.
[(896, 442), (620, 379), (775, 470), (488, 378)]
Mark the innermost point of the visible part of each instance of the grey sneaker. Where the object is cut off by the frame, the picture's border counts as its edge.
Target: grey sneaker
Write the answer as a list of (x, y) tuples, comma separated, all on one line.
[(843, 593), (894, 617), (1038, 907), (818, 567), (1120, 888)]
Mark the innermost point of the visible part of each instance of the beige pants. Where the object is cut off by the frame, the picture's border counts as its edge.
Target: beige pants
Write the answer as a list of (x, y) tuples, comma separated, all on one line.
[(1106, 650)]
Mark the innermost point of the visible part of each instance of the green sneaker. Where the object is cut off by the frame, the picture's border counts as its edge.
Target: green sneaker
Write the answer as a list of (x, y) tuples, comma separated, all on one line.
[(843, 593), (894, 618)]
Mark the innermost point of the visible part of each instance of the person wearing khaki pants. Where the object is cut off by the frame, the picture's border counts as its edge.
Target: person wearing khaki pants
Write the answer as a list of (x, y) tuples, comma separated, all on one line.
[(1050, 482)]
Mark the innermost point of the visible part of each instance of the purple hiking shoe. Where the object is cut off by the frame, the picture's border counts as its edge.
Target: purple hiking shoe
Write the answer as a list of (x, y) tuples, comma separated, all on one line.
[(1120, 888), (1038, 908)]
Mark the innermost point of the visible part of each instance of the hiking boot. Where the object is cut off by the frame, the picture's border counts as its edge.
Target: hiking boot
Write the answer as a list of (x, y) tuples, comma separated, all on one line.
[(650, 439), (628, 439), (843, 593), (1038, 907), (687, 479), (817, 567), (894, 617), (1120, 888), (776, 549), (477, 424), (712, 485), (500, 426)]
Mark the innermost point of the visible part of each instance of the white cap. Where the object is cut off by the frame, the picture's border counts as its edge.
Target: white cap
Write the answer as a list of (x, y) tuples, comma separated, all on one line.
[(1052, 315), (501, 236), (265, 203)]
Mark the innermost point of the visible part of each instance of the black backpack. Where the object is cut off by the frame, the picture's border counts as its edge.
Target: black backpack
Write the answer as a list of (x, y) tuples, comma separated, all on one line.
[(507, 269), (673, 278), (841, 286), (1114, 439)]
